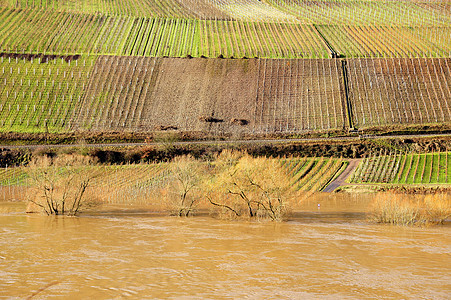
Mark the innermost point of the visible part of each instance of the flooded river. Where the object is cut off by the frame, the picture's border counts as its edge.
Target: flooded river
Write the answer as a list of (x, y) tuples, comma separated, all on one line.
[(329, 252)]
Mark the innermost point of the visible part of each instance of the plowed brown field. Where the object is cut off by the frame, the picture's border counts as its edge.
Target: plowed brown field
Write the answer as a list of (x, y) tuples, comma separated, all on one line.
[(213, 95)]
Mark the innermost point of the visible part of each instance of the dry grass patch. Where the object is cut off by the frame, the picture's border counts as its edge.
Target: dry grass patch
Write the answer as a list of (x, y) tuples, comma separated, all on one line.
[(398, 209)]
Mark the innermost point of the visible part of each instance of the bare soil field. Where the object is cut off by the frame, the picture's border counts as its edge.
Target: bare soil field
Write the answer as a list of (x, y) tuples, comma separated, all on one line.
[(388, 91), (248, 96)]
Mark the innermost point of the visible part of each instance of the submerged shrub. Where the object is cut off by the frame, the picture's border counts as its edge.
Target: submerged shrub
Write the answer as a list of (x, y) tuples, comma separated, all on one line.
[(184, 185), (244, 186), (60, 184), (398, 209)]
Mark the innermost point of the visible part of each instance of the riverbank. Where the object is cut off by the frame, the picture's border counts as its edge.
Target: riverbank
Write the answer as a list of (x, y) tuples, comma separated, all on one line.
[(168, 146)]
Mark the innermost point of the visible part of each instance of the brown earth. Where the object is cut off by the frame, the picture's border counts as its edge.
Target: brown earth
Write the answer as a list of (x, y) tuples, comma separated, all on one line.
[(340, 180), (268, 96), (253, 97), (271, 96), (388, 91)]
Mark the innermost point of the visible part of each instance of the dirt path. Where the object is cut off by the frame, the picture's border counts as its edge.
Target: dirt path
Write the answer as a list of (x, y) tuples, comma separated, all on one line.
[(340, 180), (225, 142)]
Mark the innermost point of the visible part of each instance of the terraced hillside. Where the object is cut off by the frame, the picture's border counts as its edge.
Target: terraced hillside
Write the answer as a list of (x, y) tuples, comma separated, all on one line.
[(245, 28), (357, 12), (49, 93), (22, 31), (145, 65)]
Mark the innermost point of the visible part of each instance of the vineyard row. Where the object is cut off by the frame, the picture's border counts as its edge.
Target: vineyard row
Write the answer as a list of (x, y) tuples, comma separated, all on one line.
[(38, 31), (350, 12), (400, 168), (340, 12), (399, 91), (250, 96)]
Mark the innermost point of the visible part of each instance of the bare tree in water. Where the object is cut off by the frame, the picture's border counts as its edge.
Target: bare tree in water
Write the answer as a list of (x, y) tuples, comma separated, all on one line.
[(61, 183), (185, 179), (252, 187)]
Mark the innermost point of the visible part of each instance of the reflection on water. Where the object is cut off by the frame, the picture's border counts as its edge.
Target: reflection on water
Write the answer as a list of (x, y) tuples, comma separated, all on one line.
[(325, 252)]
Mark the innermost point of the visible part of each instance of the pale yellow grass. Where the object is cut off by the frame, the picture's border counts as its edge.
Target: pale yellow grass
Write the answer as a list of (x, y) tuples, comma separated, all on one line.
[(399, 209)]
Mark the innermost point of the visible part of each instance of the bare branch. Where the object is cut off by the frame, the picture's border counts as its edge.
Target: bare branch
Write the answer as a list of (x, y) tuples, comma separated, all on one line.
[(223, 205)]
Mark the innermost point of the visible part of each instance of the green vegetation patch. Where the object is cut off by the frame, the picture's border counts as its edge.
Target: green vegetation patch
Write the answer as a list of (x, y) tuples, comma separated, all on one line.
[(425, 168), (388, 41), (40, 93)]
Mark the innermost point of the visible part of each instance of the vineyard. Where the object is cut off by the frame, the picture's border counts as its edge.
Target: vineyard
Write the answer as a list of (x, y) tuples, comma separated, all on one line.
[(22, 31), (41, 93), (139, 8), (103, 93), (138, 182), (356, 12), (388, 41), (399, 168), (399, 91), (312, 174), (223, 66), (49, 32), (266, 40), (174, 34), (252, 96), (247, 10), (349, 12)]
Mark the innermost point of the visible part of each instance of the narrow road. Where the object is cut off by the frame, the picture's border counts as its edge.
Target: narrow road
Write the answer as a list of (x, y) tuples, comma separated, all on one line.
[(340, 180), (226, 142)]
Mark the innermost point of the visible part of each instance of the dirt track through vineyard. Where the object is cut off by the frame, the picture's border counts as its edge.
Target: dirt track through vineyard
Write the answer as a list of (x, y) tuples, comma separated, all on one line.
[(341, 179)]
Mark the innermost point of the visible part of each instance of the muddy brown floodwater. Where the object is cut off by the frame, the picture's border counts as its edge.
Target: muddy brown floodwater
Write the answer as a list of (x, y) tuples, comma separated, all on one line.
[(329, 252)]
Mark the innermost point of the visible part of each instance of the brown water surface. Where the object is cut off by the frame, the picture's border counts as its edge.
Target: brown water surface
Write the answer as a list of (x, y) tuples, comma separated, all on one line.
[(330, 252)]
